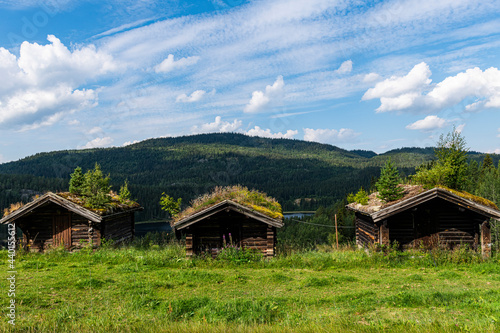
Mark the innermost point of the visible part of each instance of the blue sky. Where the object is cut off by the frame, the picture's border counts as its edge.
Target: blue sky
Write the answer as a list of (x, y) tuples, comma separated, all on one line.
[(372, 75)]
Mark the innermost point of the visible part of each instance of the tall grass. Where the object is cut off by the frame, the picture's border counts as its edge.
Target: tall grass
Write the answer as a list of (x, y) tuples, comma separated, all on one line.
[(150, 286)]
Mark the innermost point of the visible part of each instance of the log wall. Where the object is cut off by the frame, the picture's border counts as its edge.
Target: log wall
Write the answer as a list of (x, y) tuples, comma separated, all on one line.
[(208, 236), (83, 231), (119, 227), (433, 223), (367, 233), (436, 223), (39, 229)]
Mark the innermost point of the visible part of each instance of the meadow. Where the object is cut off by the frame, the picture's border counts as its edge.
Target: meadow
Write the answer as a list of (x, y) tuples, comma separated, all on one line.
[(154, 288)]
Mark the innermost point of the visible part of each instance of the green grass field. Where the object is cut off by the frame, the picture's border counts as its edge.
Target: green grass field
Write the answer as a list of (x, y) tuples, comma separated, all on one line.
[(158, 290)]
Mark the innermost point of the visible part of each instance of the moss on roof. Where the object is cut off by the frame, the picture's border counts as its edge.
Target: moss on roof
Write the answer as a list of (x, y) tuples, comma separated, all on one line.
[(252, 199), (471, 197), (115, 205), (375, 204)]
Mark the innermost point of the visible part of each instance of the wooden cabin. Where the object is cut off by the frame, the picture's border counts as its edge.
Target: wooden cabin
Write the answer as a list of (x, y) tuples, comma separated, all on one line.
[(207, 230), (52, 220), (429, 218)]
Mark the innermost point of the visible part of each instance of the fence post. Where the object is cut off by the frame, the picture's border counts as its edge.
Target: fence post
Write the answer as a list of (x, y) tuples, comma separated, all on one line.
[(336, 232)]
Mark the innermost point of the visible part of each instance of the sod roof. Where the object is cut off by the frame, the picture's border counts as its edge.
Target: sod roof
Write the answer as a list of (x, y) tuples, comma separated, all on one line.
[(416, 194), (251, 199), (74, 203)]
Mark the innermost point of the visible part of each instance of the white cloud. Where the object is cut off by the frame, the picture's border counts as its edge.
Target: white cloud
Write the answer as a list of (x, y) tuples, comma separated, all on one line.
[(32, 104), (43, 82), (194, 97), (330, 135), (496, 151), (94, 130), (128, 143), (428, 123), (74, 122), (217, 126), (415, 92), (484, 87), (345, 67), (46, 64), (266, 133), (47, 121), (169, 64), (398, 93), (460, 128), (97, 143), (262, 98), (371, 77)]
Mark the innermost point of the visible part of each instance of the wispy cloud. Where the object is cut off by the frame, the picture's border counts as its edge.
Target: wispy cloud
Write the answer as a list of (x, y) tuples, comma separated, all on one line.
[(345, 67), (194, 97)]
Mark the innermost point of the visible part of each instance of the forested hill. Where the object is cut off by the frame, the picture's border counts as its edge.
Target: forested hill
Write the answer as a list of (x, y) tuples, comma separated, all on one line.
[(300, 174)]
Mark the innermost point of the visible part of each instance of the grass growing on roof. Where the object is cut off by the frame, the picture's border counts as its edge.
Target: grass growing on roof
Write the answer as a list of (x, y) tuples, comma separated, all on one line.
[(253, 199), (472, 197), (115, 204), (13, 207)]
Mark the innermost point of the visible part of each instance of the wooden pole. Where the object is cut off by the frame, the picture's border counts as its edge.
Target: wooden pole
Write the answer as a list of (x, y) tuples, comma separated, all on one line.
[(336, 232)]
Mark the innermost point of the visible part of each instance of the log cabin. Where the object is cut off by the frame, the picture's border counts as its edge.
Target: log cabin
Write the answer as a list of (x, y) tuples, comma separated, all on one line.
[(227, 222), (438, 217), (54, 220)]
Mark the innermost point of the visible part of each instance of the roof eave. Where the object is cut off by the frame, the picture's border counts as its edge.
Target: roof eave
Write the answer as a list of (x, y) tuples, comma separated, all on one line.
[(226, 204), (51, 197), (429, 195)]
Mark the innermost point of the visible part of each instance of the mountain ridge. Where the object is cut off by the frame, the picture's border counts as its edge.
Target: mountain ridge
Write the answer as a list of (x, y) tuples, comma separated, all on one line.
[(292, 171)]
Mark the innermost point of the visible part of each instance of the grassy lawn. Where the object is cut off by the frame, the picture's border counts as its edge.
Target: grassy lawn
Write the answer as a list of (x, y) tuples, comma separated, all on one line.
[(158, 290)]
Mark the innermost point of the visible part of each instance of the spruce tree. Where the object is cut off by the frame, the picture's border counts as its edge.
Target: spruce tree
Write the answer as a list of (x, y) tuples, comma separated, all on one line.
[(387, 185), (124, 192), (452, 151), (96, 188), (487, 163), (77, 181)]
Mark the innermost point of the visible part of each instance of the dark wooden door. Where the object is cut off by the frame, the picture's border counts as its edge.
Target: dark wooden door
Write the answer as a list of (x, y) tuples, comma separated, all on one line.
[(61, 228)]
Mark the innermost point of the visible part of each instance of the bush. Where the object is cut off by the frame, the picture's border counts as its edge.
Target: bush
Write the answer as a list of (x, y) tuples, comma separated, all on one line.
[(361, 197)]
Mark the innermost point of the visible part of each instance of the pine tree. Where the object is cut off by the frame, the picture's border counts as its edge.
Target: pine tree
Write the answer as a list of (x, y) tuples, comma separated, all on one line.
[(487, 163), (452, 151), (388, 182), (77, 181), (451, 168), (96, 188), (124, 192)]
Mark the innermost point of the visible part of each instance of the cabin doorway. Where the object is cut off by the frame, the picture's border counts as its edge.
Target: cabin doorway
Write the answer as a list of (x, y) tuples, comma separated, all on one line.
[(61, 228)]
